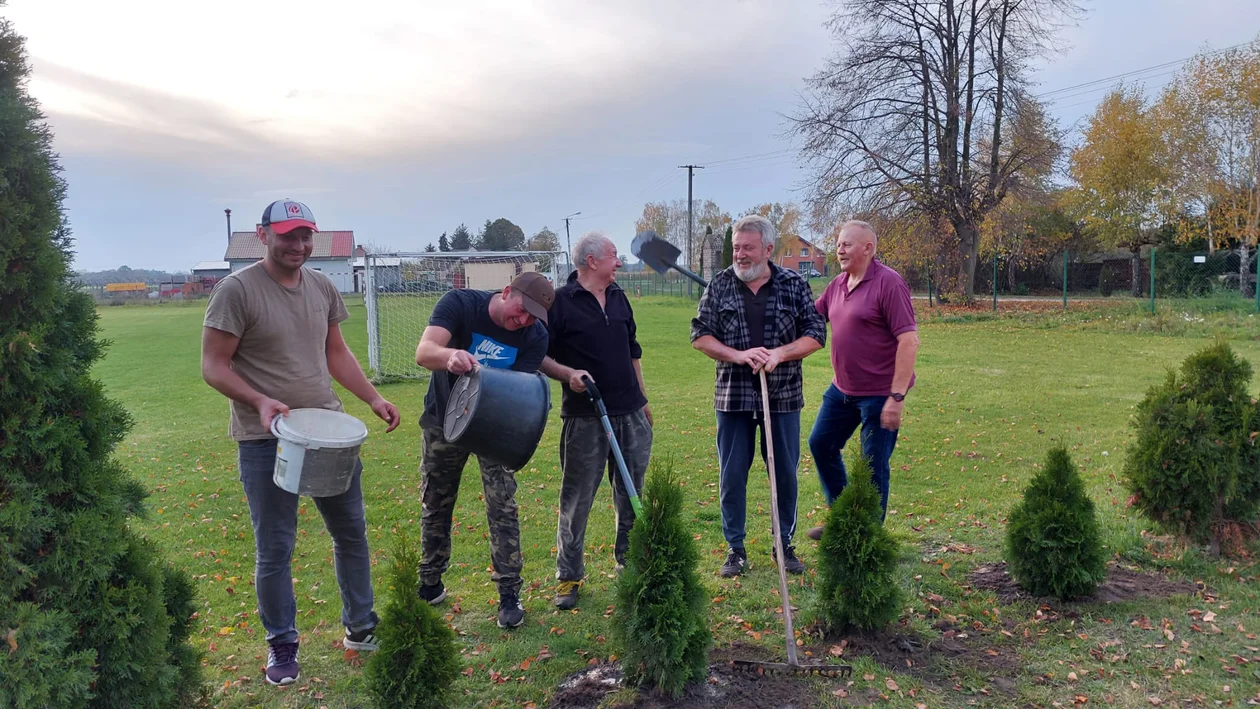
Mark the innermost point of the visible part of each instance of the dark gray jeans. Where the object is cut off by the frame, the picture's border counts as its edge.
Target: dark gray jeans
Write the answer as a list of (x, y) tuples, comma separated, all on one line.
[(584, 455), (273, 513)]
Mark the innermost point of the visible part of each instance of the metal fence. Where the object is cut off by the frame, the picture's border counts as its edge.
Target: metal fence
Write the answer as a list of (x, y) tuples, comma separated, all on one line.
[(1155, 273)]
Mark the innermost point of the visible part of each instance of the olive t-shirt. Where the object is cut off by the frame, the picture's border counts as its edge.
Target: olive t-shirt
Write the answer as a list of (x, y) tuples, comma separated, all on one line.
[(283, 333)]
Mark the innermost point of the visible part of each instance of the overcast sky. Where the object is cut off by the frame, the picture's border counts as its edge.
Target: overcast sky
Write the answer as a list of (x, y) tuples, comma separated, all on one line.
[(400, 119)]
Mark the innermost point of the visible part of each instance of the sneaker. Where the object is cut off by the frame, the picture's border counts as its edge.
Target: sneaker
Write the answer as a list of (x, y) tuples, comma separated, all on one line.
[(736, 563), (567, 595), (791, 564), (363, 641), (511, 612), (433, 593), (282, 664), (815, 533)]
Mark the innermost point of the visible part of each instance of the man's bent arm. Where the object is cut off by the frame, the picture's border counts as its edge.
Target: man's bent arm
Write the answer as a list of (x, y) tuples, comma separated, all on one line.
[(556, 371), (709, 345), (432, 352), (800, 348), (903, 370), (217, 348)]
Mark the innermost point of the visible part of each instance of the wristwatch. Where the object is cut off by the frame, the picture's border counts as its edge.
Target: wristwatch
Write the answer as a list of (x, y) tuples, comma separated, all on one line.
[(897, 397)]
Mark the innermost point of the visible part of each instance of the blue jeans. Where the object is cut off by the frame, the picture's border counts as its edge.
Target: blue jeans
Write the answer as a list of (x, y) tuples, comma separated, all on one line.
[(736, 435), (273, 513), (838, 418)]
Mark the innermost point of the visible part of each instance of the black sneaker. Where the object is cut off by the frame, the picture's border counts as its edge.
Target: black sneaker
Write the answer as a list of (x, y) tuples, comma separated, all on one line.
[(736, 563), (363, 641), (567, 595), (511, 612), (791, 564), (434, 594), (282, 664)]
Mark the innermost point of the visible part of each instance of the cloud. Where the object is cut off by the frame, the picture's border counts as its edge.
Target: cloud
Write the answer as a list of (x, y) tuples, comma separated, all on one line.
[(391, 78)]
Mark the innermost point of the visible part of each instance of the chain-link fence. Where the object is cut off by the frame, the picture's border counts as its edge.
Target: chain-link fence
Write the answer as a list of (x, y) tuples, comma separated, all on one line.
[(1226, 277)]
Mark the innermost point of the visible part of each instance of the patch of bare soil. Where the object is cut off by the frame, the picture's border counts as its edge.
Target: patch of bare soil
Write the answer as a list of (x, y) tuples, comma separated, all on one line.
[(936, 662), (1121, 584), (725, 688)]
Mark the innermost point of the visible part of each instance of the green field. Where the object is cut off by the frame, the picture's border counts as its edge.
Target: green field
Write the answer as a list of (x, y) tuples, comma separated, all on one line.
[(993, 394)]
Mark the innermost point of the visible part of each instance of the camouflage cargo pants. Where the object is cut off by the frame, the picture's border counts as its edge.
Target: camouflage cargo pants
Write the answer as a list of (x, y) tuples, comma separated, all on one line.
[(584, 456), (441, 467)]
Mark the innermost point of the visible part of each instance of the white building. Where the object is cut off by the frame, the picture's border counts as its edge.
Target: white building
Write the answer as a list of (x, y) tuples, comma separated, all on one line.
[(333, 255)]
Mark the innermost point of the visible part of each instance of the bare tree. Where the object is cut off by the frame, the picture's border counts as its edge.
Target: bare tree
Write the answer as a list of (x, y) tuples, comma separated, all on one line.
[(910, 120)]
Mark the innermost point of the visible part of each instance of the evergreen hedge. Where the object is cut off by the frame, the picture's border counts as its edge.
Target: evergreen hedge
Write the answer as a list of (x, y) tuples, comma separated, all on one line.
[(90, 616)]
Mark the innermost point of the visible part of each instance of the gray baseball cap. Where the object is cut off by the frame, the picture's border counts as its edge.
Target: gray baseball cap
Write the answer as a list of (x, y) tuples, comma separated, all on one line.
[(285, 215)]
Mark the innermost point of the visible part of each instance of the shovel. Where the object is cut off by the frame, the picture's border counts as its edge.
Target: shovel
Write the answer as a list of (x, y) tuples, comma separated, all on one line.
[(660, 255), (593, 392), (792, 666)]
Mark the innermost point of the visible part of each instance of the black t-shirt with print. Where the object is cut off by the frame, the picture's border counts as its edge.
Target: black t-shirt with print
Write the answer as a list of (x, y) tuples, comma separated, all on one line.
[(466, 314)]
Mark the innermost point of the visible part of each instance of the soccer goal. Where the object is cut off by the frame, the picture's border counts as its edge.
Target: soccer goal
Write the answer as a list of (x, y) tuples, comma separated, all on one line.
[(400, 290)]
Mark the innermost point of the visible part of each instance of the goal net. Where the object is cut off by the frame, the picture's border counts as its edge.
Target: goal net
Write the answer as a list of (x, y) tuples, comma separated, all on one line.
[(400, 290)]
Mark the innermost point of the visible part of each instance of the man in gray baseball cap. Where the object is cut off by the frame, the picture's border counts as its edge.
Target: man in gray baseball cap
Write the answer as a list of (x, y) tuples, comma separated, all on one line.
[(272, 340)]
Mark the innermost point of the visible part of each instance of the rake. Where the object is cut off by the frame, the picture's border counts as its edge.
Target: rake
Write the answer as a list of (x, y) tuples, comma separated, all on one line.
[(793, 665)]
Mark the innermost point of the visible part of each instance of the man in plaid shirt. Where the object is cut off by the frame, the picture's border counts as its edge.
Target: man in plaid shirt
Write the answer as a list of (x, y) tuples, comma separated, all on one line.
[(754, 316)]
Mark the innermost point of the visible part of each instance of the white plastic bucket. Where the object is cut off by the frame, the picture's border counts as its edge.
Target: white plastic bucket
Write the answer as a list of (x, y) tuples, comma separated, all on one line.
[(317, 451)]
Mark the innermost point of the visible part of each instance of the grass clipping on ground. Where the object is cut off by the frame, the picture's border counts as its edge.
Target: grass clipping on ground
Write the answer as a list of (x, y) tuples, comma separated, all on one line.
[(857, 560), (660, 617), (417, 660), (1052, 541)]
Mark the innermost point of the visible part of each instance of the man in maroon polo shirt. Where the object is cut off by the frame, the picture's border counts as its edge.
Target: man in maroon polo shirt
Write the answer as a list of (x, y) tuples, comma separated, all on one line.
[(874, 341)]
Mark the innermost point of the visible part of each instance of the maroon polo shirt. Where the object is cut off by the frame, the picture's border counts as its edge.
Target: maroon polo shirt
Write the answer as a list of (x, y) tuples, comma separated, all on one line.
[(865, 323)]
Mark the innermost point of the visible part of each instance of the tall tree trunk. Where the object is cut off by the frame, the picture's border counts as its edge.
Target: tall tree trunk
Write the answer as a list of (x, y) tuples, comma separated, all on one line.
[(1243, 271), (1136, 269), (969, 254)]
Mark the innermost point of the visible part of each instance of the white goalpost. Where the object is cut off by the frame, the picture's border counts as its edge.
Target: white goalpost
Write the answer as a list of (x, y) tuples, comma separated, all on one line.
[(400, 290)]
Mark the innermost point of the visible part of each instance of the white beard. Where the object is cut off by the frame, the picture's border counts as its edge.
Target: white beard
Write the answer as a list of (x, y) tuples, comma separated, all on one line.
[(752, 273)]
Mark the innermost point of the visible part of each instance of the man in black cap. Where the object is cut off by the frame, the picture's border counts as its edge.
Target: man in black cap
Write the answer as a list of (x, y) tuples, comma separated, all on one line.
[(469, 329)]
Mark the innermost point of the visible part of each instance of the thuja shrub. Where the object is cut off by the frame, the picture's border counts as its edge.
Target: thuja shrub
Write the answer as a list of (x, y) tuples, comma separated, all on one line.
[(417, 661), (90, 616), (1052, 543), (857, 559), (659, 621), (1194, 466)]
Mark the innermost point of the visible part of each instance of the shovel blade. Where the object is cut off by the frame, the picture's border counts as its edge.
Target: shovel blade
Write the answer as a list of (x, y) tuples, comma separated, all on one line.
[(657, 253)]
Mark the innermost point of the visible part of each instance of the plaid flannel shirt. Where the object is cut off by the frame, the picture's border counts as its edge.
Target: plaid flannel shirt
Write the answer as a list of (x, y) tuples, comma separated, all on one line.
[(790, 315)]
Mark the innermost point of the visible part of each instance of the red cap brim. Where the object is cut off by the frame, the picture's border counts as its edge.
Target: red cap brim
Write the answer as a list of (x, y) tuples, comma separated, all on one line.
[(289, 225)]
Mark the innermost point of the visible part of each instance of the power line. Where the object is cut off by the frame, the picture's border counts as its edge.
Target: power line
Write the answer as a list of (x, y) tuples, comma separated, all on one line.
[(1153, 67)]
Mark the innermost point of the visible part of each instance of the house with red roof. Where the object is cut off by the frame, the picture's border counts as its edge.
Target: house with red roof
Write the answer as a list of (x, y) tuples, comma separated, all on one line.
[(333, 255)]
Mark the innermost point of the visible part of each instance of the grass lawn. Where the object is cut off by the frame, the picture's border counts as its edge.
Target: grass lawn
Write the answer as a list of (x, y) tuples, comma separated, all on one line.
[(993, 393)]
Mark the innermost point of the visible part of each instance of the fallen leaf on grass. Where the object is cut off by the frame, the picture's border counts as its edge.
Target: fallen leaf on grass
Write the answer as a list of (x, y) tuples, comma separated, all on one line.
[(890, 684), (352, 656), (868, 677), (1155, 701), (1209, 617), (841, 693)]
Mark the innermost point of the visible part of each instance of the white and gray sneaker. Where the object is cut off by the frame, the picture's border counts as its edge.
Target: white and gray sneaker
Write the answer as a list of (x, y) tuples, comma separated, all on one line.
[(363, 641)]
